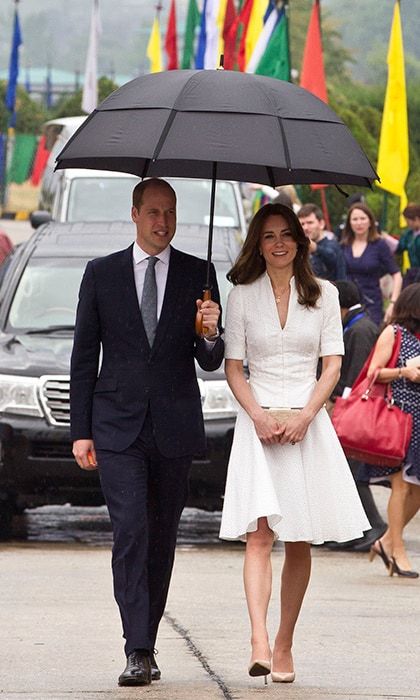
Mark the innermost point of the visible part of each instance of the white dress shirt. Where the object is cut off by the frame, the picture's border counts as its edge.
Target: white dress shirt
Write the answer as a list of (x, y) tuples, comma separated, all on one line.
[(140, 262)]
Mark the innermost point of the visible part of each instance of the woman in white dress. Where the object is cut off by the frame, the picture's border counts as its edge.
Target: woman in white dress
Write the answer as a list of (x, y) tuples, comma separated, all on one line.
[(286, 479)]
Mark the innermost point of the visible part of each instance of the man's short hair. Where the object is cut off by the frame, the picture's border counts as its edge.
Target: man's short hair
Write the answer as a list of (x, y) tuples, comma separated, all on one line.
[(308, 209), (348, 293), (412, 211), (142, 186)]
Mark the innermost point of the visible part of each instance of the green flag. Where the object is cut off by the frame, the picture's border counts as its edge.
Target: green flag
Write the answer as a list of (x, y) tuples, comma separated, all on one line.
[(275, 61), (193, 20)]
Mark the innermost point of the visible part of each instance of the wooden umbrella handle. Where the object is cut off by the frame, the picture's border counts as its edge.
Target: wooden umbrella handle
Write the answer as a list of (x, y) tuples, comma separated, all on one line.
[(199, 328)]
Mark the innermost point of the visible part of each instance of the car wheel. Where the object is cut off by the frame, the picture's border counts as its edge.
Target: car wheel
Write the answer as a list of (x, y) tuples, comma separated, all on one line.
[(7, 511)]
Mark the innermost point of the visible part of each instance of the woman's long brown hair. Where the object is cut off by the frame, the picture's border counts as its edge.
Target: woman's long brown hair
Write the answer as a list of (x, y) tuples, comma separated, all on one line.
[(250, 264), (347, 236), (407, 308)]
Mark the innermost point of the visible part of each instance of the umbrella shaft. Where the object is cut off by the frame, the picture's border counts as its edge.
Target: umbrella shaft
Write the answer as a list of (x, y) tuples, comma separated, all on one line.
[(210, 238)]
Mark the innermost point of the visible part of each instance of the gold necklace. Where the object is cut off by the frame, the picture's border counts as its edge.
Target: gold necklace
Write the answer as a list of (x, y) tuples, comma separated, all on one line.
[(278, 294)]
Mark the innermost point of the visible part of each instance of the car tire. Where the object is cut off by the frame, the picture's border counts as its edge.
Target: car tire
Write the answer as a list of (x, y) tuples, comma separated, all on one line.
[(7, 511)]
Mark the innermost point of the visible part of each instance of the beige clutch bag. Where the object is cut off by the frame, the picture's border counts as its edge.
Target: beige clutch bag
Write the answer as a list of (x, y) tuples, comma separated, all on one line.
[(281, 415)]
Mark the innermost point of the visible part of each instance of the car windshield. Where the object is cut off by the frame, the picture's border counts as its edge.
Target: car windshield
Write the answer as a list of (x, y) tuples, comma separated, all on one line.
[(109, 199), (100, 199), (48, 290), (47, 294)]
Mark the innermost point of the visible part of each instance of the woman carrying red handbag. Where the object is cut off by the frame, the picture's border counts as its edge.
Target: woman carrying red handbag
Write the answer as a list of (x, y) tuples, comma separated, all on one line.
[(404, 501)]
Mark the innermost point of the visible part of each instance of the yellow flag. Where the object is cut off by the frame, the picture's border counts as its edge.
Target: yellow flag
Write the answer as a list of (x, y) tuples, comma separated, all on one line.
[(154, 49), (255, 27), (393, 158), (221, 23)]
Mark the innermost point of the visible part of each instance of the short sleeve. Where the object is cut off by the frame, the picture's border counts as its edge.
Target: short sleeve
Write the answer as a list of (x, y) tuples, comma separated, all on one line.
[(235, 339), (386, 260), (332, 327)]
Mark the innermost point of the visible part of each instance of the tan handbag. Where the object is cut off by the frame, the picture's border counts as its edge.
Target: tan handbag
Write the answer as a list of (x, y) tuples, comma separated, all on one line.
[(282, 414)]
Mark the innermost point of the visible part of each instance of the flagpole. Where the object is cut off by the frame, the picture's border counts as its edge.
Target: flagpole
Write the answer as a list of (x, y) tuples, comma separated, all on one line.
[(10, 133)]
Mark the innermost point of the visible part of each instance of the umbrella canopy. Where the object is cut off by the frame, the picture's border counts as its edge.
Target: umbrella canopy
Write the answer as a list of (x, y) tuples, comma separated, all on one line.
[(183, 123)]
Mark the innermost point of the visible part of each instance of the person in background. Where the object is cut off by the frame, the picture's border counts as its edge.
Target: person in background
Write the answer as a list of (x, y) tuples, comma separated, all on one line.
[(326, 255), (354, 198), (404, 500), (6, 246), (360, 335), (410, 242), (368, 258)]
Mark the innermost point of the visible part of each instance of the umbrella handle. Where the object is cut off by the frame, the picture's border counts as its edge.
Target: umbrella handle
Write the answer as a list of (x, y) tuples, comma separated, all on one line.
[(199, 328)]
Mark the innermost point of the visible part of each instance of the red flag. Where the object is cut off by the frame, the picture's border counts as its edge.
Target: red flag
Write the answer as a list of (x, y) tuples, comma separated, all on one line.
[(40, 161), (238, 28), (229, 41), (170, 39), (312, 74)]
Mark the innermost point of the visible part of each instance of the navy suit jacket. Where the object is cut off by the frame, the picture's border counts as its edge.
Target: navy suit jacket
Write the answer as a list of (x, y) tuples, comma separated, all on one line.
[(110, 407)]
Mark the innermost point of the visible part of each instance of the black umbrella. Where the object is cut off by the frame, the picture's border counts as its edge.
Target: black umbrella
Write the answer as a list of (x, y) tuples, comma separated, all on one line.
[(218, 124)]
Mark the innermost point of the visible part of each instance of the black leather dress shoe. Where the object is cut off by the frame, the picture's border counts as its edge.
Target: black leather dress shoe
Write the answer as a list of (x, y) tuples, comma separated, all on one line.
[(137, 671), (156, 674)]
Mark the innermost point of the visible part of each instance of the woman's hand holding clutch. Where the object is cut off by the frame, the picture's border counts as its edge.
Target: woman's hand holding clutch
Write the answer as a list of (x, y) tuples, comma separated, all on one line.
[(267, 428), (295, 429)]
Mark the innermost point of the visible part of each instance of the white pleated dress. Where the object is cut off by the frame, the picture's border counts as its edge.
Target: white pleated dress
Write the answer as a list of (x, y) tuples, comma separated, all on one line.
[(306, 490)]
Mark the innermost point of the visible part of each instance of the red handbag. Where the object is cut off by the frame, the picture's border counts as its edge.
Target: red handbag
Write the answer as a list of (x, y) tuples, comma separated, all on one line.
[(370, 427)]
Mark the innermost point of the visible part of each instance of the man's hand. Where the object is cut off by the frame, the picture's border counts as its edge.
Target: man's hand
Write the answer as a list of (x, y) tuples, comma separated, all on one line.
[(84, 454), (210, 312)]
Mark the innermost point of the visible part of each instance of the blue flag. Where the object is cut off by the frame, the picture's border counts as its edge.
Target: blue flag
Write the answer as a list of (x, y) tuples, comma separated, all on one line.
[(13, 66), (202, 40)]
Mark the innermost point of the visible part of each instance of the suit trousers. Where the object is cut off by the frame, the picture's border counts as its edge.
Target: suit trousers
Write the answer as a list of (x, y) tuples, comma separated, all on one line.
[(145, 494)]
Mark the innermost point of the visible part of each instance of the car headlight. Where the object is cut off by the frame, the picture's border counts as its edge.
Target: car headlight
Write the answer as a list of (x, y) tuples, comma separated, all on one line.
[(19, 395), (217, 400)]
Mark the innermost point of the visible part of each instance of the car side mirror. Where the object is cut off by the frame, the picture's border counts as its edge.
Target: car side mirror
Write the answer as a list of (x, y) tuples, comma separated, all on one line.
[(37, 218)]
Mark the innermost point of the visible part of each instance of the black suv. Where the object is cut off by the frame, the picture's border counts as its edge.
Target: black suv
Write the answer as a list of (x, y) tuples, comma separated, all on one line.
[(38, 298)]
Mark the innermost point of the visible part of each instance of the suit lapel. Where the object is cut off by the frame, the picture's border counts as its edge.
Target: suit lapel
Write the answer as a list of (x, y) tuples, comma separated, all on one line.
[(130, 300), (170, 299)]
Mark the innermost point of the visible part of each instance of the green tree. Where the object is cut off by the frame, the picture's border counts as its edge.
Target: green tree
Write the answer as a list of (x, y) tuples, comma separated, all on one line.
[(30, 114), (71, 105)]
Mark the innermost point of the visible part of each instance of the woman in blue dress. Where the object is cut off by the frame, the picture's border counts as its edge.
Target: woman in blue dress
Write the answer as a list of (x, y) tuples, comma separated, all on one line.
[(368, 258), (404, 500)]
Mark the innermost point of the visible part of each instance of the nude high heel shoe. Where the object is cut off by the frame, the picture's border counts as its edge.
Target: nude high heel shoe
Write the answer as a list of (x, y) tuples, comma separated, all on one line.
[(279, 677), (259, 667)]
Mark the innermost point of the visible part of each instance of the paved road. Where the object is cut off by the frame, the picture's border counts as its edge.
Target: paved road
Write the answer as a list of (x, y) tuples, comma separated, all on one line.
[(60, 631)]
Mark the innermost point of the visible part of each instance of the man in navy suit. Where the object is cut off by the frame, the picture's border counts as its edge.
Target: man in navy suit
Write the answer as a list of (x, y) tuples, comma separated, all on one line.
[(138, 416)]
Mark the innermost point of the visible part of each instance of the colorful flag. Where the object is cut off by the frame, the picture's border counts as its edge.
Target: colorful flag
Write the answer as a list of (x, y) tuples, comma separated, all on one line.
[(40, 161), (312, 75), (154, 48), (90, 84), (171, 39), (229, 42), (393, 156), (202, 39), (192, 22), (238, 33), (275, 61), (211, 55), (270, 24), (221, 14), (255, 27), (10, 98)]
